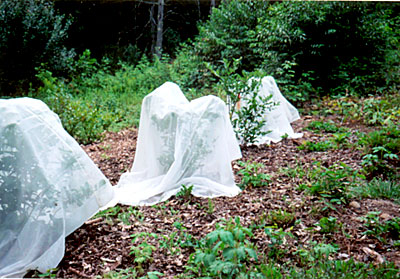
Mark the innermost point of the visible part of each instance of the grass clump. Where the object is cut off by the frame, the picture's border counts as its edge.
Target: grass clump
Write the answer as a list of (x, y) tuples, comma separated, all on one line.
[(379, 189)]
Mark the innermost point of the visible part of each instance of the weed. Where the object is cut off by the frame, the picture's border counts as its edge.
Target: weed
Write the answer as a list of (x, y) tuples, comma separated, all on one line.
[(281, 218), (177, 240), (295, 172), (226, 253), (277, 239), (333, 183), (185, 192), (381, 149), (143, 252), (316, 146), (378, 188), (109, 214), (377, 162), (328, 127), (50, 273), (104, 156), (381, 230), (130, 273), (211, 207), (126, 216), (341, 139), (252, 176), (328, 224)]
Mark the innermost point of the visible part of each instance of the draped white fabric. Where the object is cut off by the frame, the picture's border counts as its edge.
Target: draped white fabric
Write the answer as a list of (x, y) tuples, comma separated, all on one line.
[(181, 143), (277, 120), (48, 187)]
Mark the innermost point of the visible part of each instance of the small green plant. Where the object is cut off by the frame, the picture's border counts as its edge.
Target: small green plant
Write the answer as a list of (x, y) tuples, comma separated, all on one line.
[(328, 224), (130, 273), (328, 127), (252, 175), (377, 162), (127, 215), (381, 230), (185, 192), (341, 139), (381, 111), (281, 218), (317, 252), (109, 214), (316, 146), (144, 251), (295, 172), (333, 183), (51, 273), (226, 253), (277, 238), (210, 207), (381, 149), (178, 240)]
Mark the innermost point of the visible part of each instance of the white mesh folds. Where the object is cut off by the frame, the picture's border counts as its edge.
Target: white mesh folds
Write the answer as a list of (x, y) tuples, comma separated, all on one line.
[(48, 187), (181, 143)]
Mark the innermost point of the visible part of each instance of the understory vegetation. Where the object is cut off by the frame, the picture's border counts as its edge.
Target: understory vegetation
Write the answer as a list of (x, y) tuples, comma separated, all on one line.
[(339, 61), (312, 49)]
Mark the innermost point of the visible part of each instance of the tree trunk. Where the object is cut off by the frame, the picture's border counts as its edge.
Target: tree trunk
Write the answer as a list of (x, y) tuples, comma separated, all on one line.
[(160, 28), (199, 8), (212, 6), (153, 25)]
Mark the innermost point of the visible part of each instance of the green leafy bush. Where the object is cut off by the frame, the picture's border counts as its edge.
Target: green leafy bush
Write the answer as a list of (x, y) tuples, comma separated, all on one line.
[(296, 41), (356, 40), (84, 120), (96, 99), (31, 33), (227, 34), (247, 119)]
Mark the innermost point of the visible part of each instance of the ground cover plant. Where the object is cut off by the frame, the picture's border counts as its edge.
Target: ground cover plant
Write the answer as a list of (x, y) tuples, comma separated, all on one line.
[(313, 215)]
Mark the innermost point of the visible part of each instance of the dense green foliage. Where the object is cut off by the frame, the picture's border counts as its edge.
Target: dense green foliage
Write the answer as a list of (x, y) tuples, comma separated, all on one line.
[(309, 47), (31, 33), (96, 99)]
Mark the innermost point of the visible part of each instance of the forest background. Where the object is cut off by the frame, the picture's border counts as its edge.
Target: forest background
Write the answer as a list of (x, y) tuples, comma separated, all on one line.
[(93, 61)]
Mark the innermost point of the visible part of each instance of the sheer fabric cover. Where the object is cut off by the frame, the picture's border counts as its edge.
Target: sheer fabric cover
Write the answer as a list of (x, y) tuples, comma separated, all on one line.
[(279, 118), (181, 143), (48, 187)]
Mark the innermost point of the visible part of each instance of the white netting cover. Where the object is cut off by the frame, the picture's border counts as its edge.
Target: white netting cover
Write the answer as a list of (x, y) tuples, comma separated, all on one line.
[(279, 118), (180, 143), (48, 187)]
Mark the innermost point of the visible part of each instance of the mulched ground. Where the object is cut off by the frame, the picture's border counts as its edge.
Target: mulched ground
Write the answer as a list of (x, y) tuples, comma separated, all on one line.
[(103, 244)]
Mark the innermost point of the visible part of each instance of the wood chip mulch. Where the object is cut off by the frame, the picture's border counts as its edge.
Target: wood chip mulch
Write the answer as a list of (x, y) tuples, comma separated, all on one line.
[(103, 244)]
